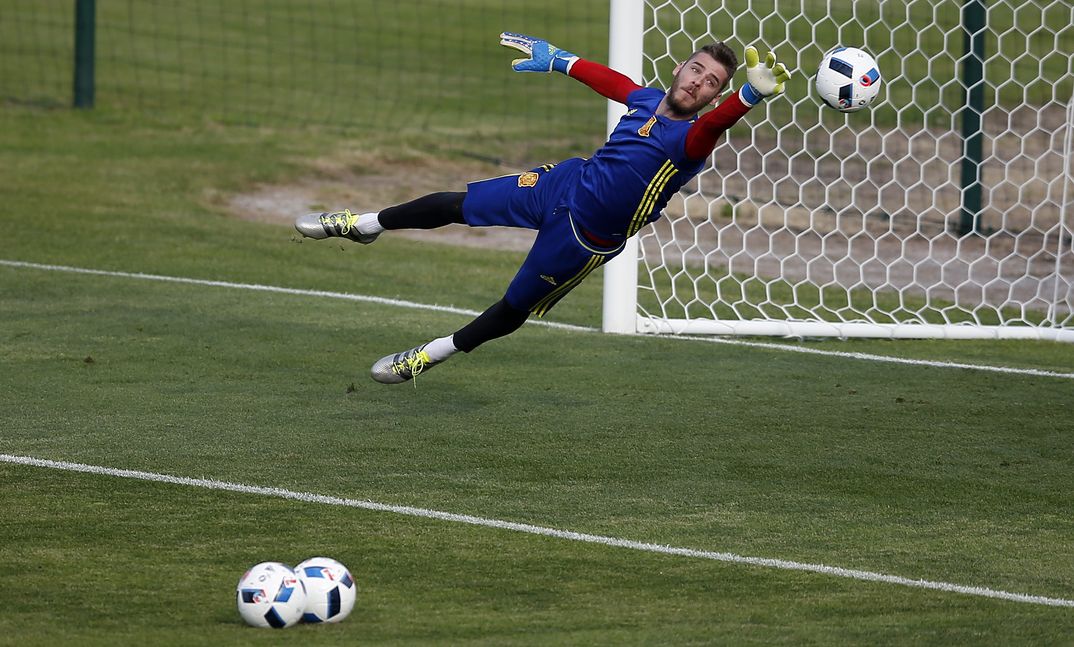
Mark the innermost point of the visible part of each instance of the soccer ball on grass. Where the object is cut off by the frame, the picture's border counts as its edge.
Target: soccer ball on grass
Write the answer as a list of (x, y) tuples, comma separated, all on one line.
[(848, 79), (330, 589), (271, 595)]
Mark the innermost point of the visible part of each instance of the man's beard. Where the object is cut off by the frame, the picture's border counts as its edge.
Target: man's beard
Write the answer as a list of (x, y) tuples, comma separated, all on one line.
[(678, 107)]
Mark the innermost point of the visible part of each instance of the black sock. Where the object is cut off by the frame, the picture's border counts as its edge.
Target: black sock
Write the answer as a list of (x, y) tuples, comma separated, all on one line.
[(428, 212), (499, 320)]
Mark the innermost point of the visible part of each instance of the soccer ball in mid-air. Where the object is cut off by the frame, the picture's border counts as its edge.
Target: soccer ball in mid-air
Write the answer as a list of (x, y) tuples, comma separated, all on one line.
[(271, 595), (848, 79), (330, 589)]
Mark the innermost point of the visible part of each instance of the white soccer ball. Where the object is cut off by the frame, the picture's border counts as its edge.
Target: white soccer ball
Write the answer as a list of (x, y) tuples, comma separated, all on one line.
[(848, 79), (271, 595), (330, 589)]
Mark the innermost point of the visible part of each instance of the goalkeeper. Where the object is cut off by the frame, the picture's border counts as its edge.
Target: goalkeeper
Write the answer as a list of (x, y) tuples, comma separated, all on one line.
[(583, 209)]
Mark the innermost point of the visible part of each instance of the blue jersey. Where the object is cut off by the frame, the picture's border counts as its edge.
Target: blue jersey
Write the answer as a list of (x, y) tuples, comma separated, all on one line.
[(584, 210), (627, 183)]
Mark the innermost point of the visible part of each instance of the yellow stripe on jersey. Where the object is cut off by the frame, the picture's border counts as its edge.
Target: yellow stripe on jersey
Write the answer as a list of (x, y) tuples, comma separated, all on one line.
[(545, 304), (649, 198)]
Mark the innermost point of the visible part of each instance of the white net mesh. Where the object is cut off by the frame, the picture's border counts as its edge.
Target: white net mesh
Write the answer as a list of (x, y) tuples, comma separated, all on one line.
[(849, 221)]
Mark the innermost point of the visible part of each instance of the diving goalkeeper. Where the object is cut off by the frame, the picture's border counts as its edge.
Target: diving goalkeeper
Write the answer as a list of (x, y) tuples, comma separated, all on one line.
[(583, 209)]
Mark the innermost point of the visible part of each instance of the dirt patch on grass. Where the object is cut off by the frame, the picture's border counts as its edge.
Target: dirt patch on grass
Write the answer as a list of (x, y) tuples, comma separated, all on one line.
[(371, 182)]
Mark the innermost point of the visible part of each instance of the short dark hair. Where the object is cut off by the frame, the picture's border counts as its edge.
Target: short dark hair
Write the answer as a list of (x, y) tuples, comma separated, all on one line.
[(722, 54)]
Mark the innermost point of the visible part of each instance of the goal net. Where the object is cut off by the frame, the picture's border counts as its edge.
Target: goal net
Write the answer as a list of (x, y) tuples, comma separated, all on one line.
[(943, 211)]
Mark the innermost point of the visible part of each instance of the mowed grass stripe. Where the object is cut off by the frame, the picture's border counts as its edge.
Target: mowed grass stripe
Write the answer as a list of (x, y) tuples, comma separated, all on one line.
[(308, 497), (537, 322)]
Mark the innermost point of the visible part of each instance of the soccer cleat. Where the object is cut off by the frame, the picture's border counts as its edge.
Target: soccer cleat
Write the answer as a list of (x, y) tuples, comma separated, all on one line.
[(400, 367), (342, 224)]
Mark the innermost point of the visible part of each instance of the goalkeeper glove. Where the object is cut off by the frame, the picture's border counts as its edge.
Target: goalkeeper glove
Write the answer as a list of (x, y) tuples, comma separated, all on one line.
[(762, 80), (541, 56)]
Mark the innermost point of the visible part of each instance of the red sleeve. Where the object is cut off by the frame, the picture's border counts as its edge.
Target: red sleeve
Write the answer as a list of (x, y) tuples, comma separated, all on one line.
[(703, 135), (604, 80)]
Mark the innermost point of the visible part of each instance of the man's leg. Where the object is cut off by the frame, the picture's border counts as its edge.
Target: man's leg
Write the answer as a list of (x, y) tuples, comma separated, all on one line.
[(499, 320), (522, 200), (428, 212), (556, 263)]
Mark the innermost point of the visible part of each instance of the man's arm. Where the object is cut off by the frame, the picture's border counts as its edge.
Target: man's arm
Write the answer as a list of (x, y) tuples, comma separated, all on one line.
[(706, 131), (761, 81), (604, 80), (542, 56)]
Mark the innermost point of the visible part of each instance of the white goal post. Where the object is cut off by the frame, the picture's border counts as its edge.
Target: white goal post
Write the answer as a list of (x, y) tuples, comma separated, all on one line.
[(944, 211)]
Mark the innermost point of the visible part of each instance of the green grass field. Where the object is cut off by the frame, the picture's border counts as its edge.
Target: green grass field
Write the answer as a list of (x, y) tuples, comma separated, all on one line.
[(956, 476)]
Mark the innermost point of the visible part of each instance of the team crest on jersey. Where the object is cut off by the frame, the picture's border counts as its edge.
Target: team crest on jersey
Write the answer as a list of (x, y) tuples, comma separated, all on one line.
[(644, 130), (528, 179)]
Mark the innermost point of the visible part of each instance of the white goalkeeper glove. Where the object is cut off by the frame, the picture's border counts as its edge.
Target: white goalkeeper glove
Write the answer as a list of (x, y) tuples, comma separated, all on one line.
[(541, 56), (762, 80)]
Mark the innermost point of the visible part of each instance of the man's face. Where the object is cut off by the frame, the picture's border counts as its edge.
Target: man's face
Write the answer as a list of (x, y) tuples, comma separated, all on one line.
[(698, 82)]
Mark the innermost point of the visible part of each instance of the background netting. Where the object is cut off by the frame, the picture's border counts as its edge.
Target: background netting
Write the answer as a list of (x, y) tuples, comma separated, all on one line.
[(432, 66), (805, 214), (808, 214)]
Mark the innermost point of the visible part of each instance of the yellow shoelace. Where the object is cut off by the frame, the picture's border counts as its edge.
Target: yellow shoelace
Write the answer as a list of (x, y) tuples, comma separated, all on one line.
[(415, 364), (345, 221)]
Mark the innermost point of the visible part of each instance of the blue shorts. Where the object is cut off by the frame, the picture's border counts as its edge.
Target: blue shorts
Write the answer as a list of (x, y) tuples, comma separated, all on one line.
[(562, 255)]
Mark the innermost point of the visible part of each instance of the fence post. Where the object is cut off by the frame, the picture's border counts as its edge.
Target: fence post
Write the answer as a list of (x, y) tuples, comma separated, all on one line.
[(973, 35), (85, 35)]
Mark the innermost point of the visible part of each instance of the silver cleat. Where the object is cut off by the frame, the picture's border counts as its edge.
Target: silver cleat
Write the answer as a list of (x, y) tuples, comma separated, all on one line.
[(341, 224), (401, 367)]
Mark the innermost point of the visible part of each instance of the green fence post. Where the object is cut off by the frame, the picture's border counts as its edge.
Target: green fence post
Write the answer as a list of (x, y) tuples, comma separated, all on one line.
[(85, 35), (973, 32)]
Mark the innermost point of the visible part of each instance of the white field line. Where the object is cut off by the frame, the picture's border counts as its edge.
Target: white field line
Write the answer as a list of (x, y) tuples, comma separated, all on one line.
[(549, 324), (307, 497)]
